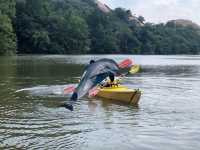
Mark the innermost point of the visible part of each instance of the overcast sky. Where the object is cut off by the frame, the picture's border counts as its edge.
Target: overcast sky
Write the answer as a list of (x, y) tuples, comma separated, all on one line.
[(160, 10)]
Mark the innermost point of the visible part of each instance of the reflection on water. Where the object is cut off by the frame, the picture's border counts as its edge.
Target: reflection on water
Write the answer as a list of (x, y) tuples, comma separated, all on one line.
[(166, 118)]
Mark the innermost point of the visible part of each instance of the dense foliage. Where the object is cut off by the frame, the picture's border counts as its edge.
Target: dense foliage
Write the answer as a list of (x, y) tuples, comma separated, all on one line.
[(7, 35), (81, 27)]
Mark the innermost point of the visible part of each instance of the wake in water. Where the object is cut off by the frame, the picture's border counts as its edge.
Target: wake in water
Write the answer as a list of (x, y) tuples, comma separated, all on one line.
[(45, 90)]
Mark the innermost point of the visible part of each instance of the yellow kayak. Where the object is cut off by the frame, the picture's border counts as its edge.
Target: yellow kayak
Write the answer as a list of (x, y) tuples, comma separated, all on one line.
[(120, 93)]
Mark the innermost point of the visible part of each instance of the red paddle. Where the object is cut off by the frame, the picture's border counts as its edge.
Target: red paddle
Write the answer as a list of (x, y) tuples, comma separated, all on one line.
[(93, 92), (69, 89), (125, 63)]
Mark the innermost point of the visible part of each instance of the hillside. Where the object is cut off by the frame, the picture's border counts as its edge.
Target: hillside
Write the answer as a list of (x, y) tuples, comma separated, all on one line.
[(184, 23), (90, 27), (103, 7)]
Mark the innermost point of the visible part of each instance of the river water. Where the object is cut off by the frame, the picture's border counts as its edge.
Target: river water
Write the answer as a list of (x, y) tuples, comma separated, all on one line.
[(167, 118)]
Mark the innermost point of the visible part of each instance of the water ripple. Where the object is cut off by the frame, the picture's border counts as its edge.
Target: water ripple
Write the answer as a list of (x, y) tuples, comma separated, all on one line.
[(166, 118)]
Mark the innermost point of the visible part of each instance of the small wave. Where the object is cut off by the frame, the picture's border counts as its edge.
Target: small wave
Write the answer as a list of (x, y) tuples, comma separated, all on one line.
[(46, 90)]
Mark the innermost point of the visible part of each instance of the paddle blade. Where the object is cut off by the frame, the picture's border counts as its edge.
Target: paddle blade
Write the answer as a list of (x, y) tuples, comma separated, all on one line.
[(93, 92), (69, 90), (134, 69), (125, 63)]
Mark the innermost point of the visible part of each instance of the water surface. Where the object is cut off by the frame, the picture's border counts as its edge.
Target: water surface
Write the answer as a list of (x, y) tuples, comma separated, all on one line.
[(167, 116)]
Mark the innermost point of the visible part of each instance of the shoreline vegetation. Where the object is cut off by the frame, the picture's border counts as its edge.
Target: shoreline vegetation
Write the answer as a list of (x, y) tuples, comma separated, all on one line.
[(89, 27)]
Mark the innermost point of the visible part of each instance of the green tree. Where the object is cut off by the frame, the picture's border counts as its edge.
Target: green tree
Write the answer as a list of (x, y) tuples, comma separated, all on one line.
[(43, 29), (80, 27), (103, 35), (7, 35)]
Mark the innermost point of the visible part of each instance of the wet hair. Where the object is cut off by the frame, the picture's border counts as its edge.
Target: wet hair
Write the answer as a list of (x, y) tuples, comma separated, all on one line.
[(92, 61)]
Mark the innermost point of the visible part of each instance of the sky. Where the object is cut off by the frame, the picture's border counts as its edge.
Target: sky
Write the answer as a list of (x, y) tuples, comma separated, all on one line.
[(157, 11)]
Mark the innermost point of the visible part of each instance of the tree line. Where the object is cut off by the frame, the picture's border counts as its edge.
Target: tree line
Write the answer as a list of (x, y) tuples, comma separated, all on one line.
[(80, 27), (7, 33)]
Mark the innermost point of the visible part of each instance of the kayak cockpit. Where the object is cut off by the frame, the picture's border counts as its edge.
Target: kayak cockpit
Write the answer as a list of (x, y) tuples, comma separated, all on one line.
[(120, 93)]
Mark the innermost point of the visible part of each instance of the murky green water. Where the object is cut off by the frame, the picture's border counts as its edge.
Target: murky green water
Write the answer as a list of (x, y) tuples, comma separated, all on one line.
[(167, 117)]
